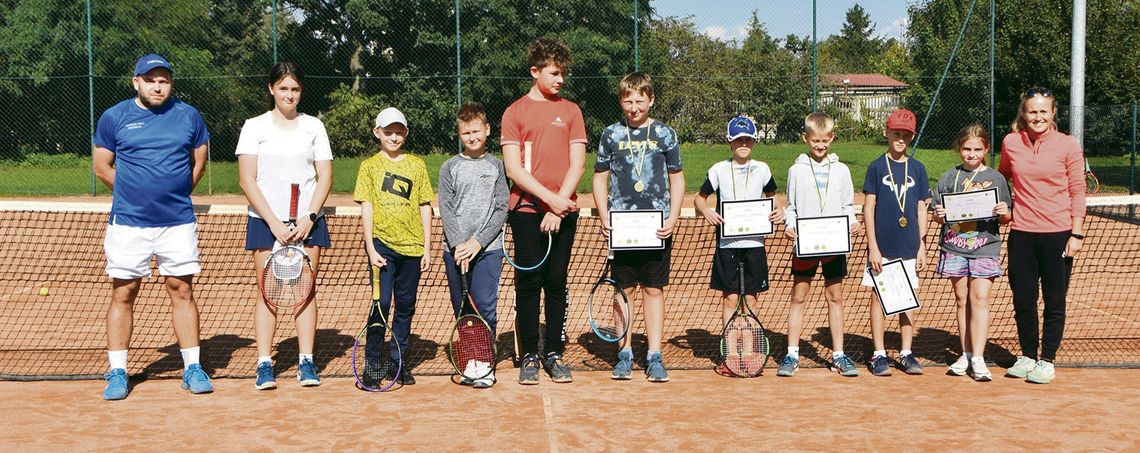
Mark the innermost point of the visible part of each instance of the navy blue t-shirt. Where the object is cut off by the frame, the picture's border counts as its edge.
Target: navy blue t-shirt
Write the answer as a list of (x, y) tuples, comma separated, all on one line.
[(895, 241), (153, 150)]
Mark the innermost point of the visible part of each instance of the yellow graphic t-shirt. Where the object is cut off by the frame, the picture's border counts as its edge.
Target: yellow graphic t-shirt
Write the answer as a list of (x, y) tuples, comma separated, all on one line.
[(395, 189)]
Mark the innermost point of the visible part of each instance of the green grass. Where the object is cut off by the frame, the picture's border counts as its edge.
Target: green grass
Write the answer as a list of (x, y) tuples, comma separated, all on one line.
[(56, 176)]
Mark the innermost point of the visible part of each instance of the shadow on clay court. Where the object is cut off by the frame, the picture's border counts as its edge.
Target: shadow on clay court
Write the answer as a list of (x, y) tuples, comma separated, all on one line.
[(330, 344), (217, 351), (702, 343)]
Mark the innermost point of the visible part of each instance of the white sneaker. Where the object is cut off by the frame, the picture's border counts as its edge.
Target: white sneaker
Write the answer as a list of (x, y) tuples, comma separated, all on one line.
[(484, 382), (1042, 373), (469, 370), (958, 368), (979, 371), (1021, 368)]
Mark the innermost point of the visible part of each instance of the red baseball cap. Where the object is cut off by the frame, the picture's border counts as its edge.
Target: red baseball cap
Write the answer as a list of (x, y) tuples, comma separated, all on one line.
[(902, 119)]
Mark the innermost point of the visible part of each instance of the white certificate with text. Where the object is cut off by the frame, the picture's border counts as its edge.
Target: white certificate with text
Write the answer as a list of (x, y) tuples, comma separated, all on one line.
[(970, 206), (894, 289), (636, 229), (743, 218), (823, 236)]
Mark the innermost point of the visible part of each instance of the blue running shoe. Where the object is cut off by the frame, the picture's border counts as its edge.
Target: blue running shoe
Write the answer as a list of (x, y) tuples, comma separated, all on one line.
[(655, 370), (788, 366), (844, 366), (910, 365), (195, 380), (880, 366), (624, 368), (116, 385), (265, 379), (307, 374)]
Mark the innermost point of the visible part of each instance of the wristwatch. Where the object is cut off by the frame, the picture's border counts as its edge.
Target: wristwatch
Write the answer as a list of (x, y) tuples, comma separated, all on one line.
[(1078, 236), (313, 218)]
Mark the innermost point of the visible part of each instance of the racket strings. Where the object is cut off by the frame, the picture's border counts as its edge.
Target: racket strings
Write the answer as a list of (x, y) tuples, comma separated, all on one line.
[(287, 263), (744, 346), (373, 367), (609, 312), (472, 347)]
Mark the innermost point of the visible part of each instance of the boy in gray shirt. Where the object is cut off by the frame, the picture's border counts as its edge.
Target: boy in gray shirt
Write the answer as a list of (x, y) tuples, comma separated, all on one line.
[(473, 206)]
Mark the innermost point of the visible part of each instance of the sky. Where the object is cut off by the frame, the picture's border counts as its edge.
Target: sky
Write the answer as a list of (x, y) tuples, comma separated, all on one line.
[(728, 19)]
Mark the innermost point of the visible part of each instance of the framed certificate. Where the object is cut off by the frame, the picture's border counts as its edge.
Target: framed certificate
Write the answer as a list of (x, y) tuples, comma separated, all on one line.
[(894, 289), (744, 218), (636, 229), (823, 236), (970, 206)]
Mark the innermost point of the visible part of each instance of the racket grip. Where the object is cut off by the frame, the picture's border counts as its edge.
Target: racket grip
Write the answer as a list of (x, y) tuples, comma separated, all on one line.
[(375, 283), (294, 195)]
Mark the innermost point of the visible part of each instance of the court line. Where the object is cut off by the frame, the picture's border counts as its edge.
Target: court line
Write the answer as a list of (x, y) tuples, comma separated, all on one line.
[(20, 292), (548, 413), (1114, 315)]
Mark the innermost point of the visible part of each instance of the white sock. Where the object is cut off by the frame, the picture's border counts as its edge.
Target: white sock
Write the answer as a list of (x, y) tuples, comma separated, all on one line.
[(904, 352), (794, 351), (190, 356), (969, 355), (979, 359), (264, 359), (302, 357), (837, 354), (118, 359), (880, 352)]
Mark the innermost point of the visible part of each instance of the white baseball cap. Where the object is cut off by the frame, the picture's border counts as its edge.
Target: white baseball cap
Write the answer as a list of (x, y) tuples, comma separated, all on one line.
[(390, 115)]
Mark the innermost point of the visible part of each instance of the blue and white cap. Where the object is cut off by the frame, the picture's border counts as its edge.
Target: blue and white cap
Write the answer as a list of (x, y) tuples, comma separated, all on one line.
[(150, 61), (741, 126)]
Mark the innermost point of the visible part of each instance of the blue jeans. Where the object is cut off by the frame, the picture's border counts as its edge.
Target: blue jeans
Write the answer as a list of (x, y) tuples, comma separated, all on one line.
[(483, 274), (398, 278)]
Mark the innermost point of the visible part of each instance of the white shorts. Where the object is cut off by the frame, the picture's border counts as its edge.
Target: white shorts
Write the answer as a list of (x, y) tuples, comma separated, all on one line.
[(907, 264), (129, 249)]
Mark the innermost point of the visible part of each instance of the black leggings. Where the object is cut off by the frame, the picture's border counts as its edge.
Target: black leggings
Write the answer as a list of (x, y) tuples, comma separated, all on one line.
[(1037, 258), (551, 277)]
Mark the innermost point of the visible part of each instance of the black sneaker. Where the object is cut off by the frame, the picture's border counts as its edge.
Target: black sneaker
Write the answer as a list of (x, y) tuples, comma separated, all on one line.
[(556, 368), (528, 369), (405, 378)]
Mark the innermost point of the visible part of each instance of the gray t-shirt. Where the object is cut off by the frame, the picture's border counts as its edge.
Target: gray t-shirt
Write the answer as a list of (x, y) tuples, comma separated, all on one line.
[(971, 239), (473, 200), (645, 154)]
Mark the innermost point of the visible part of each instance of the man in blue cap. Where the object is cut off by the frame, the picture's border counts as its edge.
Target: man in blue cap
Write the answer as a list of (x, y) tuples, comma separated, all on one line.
[(150, 151)]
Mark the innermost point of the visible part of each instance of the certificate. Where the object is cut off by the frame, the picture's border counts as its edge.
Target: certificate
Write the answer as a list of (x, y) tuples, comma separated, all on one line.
[(636, 229), (893, 287), (970, 206), (823, 236), (745, 218)]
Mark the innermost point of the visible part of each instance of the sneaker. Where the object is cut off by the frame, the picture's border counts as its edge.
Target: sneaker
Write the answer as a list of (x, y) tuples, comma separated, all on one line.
[(1021, 368), (265, 379), (528, 370), (959, 367), (1042, 373), (844, 366), (557, 369), (910, 365), (880, 366), (307, 374), (195, 380), (979, 371), (788, 366), (485, 382), (406, 377), (468, 370), (624, 369), (655, 370), (116, 385)]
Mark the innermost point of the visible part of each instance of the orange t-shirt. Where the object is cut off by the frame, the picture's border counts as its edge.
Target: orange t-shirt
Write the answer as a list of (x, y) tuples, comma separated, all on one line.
[(549, 128), (1048, 181)]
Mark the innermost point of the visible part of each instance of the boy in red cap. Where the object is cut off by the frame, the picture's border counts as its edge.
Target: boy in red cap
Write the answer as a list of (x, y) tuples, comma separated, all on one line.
[(895, 228)]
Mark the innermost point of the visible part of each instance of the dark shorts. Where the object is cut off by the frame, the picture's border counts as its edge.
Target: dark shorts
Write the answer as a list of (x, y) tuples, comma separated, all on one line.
[(259, 237), (834, 267), (649, 268), (725, 278)]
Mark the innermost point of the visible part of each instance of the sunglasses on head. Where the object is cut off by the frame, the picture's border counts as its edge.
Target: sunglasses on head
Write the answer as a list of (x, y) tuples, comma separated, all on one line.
[(1045, 92)]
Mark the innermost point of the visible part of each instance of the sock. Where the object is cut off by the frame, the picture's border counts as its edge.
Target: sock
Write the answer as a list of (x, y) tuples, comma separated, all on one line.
[(879, 353), (649, 355), (118, 359), (264, 359), (904, 352), (837, 354), (794, 351), (969, 355), (978, 359), (190, 356), (303, 357)]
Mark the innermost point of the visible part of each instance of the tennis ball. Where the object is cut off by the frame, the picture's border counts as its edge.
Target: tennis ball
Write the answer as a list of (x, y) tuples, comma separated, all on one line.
[(43, 291)]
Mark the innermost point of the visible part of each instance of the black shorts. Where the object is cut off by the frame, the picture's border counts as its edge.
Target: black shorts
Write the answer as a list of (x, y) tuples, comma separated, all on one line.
[(649, 268), (258, 236), (725, 278), (834, 267)]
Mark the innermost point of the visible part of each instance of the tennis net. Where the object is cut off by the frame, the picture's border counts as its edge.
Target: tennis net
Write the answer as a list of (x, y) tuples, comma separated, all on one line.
[(57, 248)]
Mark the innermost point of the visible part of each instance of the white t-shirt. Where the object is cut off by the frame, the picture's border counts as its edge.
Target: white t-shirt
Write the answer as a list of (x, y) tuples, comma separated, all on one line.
[(285, 157), (751, 182)]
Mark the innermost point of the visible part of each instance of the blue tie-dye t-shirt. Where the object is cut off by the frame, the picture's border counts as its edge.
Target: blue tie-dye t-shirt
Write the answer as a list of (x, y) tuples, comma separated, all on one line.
[(654, 146)]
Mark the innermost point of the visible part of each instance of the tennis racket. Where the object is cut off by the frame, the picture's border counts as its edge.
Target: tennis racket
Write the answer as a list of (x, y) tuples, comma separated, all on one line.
[(373, 364), (609, 307), (522, 251), (743, 343), (472, 345), (287, 278), (1092, 185)]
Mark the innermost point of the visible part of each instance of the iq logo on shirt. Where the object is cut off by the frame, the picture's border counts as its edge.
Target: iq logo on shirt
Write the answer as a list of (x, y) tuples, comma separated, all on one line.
[(397, 185)]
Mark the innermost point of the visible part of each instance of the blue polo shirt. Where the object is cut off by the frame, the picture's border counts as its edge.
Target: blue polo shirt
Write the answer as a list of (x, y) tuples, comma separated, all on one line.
[(153, 151)]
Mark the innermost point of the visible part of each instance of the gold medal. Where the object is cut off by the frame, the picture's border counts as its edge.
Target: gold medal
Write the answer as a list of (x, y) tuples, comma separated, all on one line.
[(638, 186), (902, 222)]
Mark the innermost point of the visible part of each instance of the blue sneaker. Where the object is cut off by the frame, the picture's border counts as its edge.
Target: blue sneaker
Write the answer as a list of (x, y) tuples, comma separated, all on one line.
[(880, 366), (307, 374), (844, 366), (910, 365), (655, 370), (788, 366), (624, 369), (195, 380), (116, 385), (265, 379)]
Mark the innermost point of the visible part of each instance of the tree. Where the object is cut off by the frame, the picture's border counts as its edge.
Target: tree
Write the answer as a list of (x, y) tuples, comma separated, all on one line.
[(855, 46)]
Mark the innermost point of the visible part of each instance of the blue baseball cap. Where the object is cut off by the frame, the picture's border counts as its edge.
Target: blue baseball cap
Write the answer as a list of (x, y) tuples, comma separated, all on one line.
[(151, 61), (741, 126)]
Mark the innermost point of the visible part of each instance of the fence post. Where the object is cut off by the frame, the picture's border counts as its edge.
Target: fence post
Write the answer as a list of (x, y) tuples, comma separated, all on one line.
[(1132, 165), (814, 62), (90, 99), (274, 31), (993, 138), (636, 40), (458, 71)]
